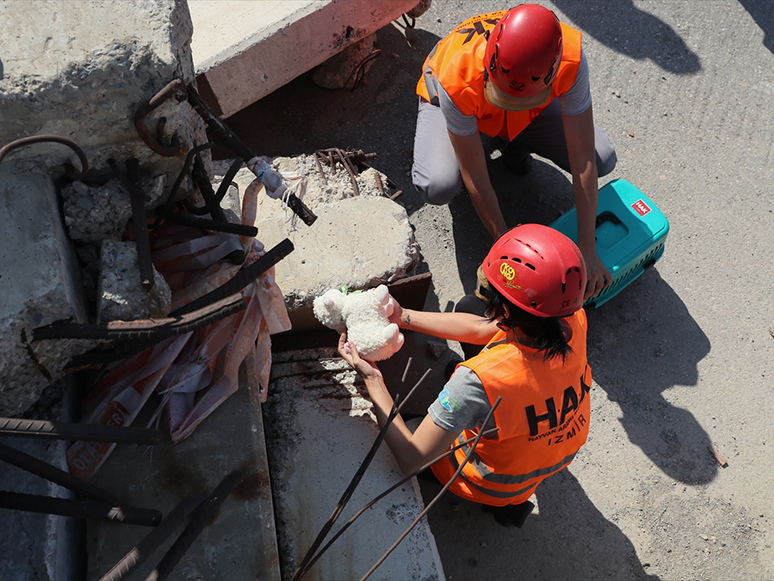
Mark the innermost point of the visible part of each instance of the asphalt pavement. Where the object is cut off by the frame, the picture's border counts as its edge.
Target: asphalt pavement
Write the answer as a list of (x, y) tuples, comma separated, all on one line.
[(682, 359)]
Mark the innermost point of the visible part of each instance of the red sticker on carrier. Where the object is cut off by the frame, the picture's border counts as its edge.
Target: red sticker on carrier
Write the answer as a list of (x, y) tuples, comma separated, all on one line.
[(640, 207)]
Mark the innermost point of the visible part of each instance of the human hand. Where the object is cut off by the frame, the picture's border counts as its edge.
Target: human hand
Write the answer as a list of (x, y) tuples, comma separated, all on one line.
[(597, 275), (397, 313), (366, 369)]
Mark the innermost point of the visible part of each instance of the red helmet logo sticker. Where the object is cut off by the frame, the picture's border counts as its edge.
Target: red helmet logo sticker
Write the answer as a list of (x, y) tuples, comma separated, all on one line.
[(640, 207)]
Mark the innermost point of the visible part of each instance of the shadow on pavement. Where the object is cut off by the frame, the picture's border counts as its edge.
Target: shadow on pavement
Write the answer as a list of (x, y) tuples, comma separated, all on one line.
[(763, 14), (633, 32), (568, 538), (641, 344)]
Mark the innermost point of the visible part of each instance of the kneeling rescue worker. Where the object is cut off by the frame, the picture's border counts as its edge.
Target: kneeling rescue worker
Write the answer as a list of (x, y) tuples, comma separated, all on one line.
[(534, 358)]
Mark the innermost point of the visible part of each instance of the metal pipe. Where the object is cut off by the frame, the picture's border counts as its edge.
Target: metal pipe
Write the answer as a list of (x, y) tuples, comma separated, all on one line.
[(234, 143), (240, 280), (52, 473), (153, 541), (87, 509), (53, 430), (201, 518)]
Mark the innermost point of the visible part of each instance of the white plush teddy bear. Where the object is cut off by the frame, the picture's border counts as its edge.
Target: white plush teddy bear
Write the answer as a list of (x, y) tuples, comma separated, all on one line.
[(364, 315)]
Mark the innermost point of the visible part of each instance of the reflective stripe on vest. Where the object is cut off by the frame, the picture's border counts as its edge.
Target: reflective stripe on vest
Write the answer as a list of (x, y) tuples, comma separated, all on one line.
[(457, 63), (543, 419)]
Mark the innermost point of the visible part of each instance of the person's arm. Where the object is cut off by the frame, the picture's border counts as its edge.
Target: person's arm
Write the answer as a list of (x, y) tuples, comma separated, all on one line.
[(412, 451), (472, 161), (462, 327), (579, 134)]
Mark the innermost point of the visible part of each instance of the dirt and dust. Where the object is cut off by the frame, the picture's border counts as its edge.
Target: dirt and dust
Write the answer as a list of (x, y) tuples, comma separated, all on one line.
[(682, 359)]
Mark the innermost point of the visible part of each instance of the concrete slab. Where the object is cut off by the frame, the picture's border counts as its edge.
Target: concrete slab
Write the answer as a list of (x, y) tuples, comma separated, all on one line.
[(319, 429), (245, 50), (39, 284), (240, 543)]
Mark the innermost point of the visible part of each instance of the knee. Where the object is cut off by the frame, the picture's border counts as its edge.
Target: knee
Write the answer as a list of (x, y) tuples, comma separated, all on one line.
[(438, 189), (606, 162)]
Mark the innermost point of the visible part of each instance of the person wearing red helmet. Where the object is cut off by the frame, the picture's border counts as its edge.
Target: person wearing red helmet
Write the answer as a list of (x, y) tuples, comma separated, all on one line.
[(519, 76), (533, 361)]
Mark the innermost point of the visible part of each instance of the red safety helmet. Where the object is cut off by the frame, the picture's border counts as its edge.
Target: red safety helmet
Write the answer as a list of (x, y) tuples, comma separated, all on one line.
[(538, 269), (522, 57)]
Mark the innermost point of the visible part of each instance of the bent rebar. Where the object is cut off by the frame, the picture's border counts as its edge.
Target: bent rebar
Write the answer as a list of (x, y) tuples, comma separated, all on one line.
[(72, 174), (153, 103)]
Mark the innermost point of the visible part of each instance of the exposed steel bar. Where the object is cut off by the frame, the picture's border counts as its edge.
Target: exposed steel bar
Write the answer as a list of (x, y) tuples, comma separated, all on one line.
[(140, 225), (240, 280), (53, 430), (199, 521), (233, 142), (87, 509), (203, 223), (227, 179), (345, 163), (144, 328), (437, 496), (180, 177), (395, 486), (145, 109), (359, 71), (379, 184), (139, 554), (319, 167), (56, 139), (396, 407), (52, 473)]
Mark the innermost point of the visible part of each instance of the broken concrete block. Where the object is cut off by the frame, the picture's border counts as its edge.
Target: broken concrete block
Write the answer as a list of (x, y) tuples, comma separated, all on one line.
[(318, 431), (120, 291), (39, 285), (94, 213), (81, 70), (359, 242)]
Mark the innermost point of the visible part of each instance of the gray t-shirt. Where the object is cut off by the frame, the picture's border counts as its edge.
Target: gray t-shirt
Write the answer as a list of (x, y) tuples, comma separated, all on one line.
[(462, 403), (573, 102)]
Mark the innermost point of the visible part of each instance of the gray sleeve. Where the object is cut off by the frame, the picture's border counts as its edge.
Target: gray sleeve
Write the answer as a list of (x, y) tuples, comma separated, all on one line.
[(578, 98), (462, 403), (456, 121)]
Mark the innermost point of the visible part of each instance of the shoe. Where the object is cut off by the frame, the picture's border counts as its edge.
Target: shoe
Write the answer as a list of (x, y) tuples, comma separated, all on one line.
[(511, 515), (519, 162)]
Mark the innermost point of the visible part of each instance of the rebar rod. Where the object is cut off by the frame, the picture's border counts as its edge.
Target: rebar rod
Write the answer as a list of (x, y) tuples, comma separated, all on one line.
[(140, 553), (394, 411), (87, 509), (153, 103), (205, 224), (233, 142), (53, 430), (140, 224), (437, 496), (240, 280), (53, 474), (55, 139), (143, 328), (199, 521), (387, 492)]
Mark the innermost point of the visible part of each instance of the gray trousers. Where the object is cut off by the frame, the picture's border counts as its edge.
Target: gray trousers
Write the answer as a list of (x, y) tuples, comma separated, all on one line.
[(435, 172)]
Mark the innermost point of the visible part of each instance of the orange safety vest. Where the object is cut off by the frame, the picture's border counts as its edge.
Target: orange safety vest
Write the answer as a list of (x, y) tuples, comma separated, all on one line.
[(457, 61), (543, 419)]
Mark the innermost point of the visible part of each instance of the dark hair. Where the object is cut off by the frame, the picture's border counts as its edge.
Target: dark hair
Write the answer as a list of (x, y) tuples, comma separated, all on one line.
[(546, 332)]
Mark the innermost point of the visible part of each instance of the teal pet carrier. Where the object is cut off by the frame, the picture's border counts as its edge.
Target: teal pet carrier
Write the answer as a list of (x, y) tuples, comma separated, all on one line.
[(631, 232)]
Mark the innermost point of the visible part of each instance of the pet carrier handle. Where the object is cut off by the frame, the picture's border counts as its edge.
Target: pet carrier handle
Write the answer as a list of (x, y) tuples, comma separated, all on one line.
[(607, 216)]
